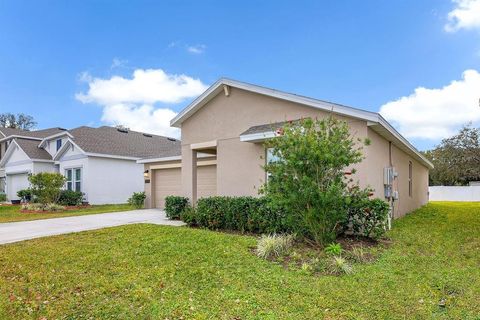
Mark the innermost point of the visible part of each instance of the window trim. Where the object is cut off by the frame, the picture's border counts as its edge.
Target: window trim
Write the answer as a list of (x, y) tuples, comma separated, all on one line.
[(74, 180)]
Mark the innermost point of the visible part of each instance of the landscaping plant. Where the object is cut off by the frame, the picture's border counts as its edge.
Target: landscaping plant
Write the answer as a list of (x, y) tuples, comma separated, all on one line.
[(70, 198), (334, 249), (137, 199), (25, 194), (269, 246), (46, 186), (3, 197), (309, 181), (174, 206)]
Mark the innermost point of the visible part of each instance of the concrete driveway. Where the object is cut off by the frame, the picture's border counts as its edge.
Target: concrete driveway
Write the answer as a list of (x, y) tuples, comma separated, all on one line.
[(19, 231)]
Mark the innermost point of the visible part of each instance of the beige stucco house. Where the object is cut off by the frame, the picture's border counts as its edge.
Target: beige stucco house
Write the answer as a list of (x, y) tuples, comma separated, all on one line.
[(222, 151)]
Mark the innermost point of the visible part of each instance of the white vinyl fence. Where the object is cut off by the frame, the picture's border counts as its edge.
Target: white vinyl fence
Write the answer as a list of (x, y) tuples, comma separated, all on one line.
[(467, 193)]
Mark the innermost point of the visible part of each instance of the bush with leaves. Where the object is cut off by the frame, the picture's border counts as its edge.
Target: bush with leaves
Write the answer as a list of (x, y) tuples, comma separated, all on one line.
[(308, 180), (3, 197), (367, 217), (137, 199), (70, 198), (334, 249), (174, 206), (46, 186), (25, 194), (244, 214)]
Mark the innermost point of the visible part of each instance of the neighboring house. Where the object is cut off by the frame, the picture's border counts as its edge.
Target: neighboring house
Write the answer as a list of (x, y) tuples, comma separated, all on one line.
[(100, 162), (228, 124)]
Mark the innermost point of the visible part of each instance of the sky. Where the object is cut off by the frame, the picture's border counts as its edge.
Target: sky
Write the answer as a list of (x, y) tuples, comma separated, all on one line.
[(138, 63)]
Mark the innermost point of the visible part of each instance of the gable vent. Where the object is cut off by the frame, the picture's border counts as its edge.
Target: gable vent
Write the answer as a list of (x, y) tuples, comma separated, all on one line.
[(122, 130), (147, 135), (171, 139)]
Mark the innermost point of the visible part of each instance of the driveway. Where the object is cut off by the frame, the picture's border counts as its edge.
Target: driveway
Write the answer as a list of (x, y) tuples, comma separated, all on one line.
[(19, 231)]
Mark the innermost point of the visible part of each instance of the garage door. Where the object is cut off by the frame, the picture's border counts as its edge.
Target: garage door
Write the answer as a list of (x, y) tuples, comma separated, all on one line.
[(206, 181), (15, 183), (167, 183)]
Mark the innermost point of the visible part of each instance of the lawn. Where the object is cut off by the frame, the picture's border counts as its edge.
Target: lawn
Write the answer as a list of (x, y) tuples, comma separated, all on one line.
[(12, 213), (431, 271)]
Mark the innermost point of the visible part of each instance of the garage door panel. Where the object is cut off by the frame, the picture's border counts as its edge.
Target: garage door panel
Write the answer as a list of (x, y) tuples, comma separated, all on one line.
[(206, 181), (16, 183), (167, 183)]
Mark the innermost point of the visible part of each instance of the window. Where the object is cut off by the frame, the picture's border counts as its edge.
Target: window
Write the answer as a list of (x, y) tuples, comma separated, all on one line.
[(410, 177), (271, 157), (74, 179), (59, 144)]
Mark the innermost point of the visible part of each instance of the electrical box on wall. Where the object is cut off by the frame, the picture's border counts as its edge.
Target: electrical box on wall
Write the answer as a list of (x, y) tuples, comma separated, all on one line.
[(389, 175)]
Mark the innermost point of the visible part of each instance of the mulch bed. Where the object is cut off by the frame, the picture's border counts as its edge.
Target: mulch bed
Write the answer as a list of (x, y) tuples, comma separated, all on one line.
[(67, 208)]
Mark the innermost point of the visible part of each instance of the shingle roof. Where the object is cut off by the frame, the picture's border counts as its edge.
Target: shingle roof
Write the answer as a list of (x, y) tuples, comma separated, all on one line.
[(111, 141), (35, 134), (32, 150)]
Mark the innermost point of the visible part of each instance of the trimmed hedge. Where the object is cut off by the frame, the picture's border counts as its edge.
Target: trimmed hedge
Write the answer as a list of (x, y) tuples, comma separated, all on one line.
[(70, 198), (174, 206), (244, 214)]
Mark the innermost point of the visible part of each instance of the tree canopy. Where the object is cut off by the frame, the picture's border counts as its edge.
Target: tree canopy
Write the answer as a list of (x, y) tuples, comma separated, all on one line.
[(456, 159), (17, 121)]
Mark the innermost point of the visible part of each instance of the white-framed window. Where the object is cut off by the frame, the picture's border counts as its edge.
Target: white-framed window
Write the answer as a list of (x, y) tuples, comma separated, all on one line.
[(59, 144), (74, 179)]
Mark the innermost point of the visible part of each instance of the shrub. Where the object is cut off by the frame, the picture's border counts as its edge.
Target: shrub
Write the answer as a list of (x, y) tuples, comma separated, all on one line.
[(340, 265), (188, 216), (70, 198), (174, 206), (308, 179), (42, 207), (3, 197), (358, 254), (334, 249), (368, 218), (46, 186), (244, 214), (25, 194), (270, 246), (137, 199)]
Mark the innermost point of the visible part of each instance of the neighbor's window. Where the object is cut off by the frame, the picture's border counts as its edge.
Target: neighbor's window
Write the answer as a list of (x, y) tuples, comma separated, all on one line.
[(74, 179), (59, 144), (410, 177)]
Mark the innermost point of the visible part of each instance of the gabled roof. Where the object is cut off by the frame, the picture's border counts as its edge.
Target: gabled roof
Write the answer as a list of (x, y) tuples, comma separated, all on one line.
[(374, 120), (111, 141), (30, 147), (37, 134)]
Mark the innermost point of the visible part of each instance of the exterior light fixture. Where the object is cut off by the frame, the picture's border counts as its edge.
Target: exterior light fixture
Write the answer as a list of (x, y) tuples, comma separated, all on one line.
[(146, 174)]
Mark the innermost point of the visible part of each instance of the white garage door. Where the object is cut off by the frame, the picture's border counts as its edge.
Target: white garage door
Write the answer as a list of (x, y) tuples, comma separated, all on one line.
[(15, 183), (168, 182)]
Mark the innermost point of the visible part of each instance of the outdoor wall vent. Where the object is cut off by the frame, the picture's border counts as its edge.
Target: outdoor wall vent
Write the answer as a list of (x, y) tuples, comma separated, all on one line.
[(147, 135)]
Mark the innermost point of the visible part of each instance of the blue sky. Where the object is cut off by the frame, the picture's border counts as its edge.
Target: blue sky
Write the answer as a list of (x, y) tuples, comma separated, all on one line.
[(359, 53)]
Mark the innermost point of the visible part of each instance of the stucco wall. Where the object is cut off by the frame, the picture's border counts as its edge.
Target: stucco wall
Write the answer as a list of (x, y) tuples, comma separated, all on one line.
[(239, 163), (419, 197)]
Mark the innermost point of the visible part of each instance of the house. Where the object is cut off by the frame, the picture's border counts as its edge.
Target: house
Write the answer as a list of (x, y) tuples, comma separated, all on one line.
[(222, 151), (100, 162)]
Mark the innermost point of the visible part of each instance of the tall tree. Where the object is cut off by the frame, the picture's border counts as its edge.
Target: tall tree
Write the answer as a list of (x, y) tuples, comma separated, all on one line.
[(456, 159), (18, 121)]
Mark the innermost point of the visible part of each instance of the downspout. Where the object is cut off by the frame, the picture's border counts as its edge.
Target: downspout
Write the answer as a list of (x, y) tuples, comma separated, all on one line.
[(392, 199)]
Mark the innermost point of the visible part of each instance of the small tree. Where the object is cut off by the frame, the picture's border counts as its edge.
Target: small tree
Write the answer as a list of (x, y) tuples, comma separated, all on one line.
[(46, 186), (308, 180)]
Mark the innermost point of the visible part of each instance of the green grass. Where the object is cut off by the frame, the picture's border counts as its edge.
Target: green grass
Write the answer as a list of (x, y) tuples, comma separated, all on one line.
[(12, 213), (160, 272)]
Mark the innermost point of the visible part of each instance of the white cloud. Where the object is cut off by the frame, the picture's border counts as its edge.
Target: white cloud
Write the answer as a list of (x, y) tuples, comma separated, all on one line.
[(198, 49), (117, 63), (436, 113), (131, 101), (465, 15)]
